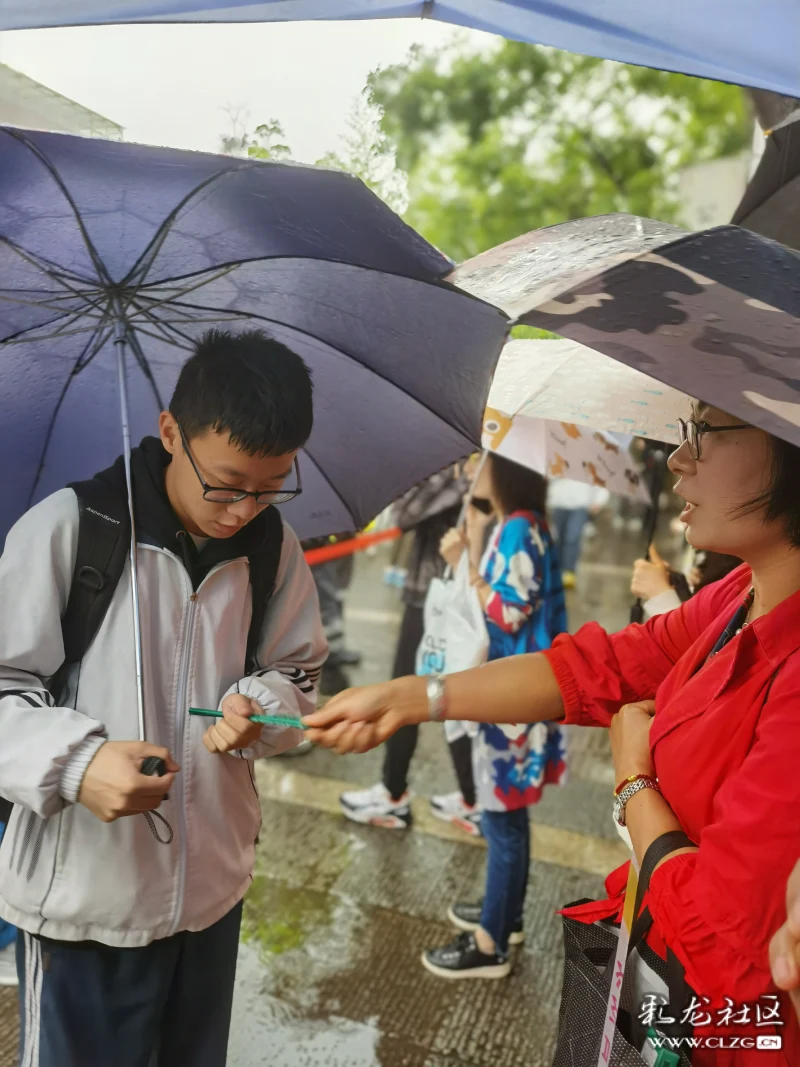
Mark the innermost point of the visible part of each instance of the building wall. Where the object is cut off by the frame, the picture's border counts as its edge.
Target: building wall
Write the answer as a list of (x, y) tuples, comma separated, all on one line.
[(710, 192), (14, 113), (28, 104)]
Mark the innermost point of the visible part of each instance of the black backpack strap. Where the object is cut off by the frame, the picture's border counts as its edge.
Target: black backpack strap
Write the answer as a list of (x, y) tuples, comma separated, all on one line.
[(263, 574), (103, 547)]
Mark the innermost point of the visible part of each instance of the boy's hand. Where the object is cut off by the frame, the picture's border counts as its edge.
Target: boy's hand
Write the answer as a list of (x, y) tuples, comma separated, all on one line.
[(234, 729), (113, 785)]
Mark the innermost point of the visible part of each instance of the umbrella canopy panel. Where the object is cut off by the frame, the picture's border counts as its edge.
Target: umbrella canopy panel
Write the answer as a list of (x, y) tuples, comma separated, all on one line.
[(177, 243), (715, 314), (751, 44), (564, 450), (568, 382)]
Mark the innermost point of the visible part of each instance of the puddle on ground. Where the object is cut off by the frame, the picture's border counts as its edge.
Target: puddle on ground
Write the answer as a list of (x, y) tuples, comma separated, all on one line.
[(300, 938), (268, 1030)]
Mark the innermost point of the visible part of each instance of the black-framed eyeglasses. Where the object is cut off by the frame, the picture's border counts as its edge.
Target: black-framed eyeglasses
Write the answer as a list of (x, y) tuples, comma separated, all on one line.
[(218, 494), (691, 432)]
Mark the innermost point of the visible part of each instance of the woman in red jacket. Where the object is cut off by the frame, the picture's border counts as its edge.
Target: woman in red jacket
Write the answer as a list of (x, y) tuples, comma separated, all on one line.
[(703, 705)]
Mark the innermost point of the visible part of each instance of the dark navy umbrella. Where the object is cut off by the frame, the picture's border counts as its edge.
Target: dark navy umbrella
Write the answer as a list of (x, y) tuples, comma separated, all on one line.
[(103, 242), (115, 258), (748, 42)]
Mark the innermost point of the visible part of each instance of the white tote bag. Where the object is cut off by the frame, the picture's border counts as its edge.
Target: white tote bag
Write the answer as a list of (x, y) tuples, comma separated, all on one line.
[(455, 637)]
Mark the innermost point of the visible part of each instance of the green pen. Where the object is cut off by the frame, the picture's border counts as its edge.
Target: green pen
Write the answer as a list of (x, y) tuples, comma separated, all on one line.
[(263, 720)]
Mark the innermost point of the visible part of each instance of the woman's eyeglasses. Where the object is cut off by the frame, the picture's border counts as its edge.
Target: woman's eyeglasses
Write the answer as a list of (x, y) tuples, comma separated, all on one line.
[(220, 495), (691, 433)]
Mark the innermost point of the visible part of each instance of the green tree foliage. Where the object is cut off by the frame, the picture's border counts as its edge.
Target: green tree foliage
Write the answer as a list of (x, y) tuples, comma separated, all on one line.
[(504, 140), (364, 150), (267, 142), (367, 153)]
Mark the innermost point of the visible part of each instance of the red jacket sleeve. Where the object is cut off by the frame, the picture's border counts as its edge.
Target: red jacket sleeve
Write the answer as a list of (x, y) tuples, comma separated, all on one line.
[(717, 908), (598, 672)]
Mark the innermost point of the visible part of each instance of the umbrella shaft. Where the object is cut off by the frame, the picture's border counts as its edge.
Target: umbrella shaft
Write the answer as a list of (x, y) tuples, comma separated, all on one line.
[(126, 452)]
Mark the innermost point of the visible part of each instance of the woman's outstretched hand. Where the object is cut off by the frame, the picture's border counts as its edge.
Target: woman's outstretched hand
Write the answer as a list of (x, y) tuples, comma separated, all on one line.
[(360, 719)]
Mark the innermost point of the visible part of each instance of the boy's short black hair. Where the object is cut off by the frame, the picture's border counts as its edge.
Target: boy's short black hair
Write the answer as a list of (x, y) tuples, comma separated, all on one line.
[(248, 385), (517, 488)]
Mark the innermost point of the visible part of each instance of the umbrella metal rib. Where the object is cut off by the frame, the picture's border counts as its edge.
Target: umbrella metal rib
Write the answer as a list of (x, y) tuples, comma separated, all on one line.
[(88, 353)]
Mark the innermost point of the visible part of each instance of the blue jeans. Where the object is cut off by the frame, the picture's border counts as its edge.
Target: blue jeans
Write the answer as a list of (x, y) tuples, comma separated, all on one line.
[(569, 524), (508, 836)]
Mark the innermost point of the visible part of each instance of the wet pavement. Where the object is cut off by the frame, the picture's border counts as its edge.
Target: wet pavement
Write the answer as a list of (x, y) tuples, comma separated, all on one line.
[(329, 971)]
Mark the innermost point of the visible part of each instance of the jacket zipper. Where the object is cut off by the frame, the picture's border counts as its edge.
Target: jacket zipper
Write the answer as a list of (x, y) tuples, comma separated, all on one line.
[(180, 713)]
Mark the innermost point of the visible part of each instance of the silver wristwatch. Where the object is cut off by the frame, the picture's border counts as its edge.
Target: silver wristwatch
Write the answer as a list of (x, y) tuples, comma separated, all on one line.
[(621, 801), (437, 698)]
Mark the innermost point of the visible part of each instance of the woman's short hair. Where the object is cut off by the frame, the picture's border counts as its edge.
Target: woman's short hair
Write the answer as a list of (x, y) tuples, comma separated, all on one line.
[(780, 501), (517, 488)]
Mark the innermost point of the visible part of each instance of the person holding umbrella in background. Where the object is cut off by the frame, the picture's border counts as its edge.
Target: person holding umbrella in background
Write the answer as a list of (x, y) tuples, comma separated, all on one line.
[(427, 511), (660, 588)]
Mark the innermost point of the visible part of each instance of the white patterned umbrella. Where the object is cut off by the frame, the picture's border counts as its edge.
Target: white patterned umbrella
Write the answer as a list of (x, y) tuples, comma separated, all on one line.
[(568, 382)]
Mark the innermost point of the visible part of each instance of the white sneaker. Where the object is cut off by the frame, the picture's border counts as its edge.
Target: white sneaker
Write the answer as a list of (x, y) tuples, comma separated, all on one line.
[(8, 965), (375, 807), (452, 808)]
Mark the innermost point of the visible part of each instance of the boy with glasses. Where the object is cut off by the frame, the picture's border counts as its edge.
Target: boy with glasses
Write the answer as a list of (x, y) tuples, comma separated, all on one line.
[(128, 936)]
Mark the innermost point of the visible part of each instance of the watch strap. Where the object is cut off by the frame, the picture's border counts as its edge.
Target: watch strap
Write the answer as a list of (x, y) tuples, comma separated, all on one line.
[(437, 698), (621, 801)]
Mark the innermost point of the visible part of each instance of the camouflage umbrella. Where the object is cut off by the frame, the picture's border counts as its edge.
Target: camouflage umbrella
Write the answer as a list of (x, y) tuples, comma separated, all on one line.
[(715, 314)]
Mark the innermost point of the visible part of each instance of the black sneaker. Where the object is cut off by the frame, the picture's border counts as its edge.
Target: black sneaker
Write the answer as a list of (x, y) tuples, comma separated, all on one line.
[(468, 917), (463, 959)]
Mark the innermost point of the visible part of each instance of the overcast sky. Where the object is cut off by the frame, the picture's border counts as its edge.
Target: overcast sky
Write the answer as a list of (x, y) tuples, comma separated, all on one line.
[(171, 84)]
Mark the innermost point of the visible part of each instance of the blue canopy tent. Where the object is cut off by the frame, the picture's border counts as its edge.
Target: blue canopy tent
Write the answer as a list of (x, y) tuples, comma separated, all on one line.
[(739, 41)]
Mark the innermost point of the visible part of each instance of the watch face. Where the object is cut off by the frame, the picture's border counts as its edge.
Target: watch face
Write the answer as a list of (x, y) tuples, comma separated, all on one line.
[(618, 811)]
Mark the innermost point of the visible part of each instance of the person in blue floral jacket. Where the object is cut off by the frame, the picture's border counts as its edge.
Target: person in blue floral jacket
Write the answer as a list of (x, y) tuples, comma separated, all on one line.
[(518, 581)]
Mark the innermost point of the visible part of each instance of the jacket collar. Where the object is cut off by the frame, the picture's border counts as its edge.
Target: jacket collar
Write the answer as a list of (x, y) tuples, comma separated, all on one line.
[(157, 523)]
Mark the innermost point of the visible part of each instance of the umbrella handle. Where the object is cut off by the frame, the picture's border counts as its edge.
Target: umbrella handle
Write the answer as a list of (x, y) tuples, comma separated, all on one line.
[(462, 518), (656, 461)]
